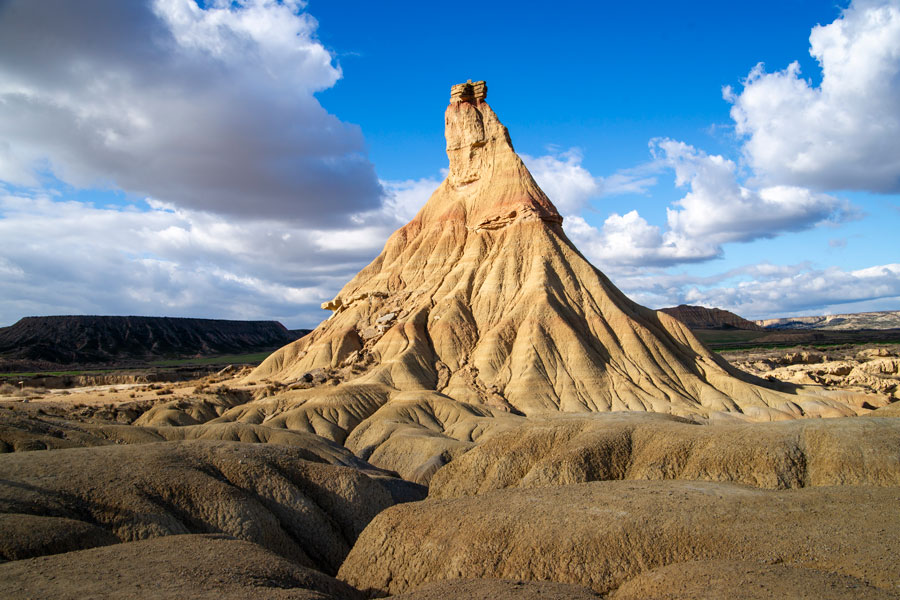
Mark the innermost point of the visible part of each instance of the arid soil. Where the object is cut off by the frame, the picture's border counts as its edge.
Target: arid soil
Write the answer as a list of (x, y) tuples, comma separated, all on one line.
[(602, 534)]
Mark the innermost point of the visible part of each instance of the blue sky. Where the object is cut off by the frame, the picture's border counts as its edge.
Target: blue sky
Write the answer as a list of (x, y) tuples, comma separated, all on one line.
[(244, 159)]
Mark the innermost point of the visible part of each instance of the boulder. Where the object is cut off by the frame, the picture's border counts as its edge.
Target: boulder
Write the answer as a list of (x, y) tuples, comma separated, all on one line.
[(573, 449), (603, 534)]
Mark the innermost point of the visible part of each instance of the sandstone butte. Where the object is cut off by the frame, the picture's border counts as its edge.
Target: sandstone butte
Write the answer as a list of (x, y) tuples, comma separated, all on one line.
[(480, 308)]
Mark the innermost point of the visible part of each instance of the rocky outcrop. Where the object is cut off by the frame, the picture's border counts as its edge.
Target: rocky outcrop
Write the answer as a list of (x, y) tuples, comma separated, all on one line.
[(575, 449), (745, 580), (700, 317), (874, 372)]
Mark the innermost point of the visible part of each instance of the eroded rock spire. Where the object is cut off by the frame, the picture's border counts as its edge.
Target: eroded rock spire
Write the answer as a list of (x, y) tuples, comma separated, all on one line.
[(481, 305)]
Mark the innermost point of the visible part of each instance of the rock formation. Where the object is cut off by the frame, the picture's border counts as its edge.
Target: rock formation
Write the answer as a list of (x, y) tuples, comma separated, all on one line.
[(700, 317), (642, 446), (874, 371), (482, 299), (745, 580)]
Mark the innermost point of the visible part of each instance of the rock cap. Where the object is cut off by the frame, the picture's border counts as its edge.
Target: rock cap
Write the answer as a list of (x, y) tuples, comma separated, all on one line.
[(468, 91)]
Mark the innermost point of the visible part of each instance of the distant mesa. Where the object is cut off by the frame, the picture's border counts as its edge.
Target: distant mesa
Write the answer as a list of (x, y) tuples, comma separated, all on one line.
[(102, 339), (700, 317), (888, 319)]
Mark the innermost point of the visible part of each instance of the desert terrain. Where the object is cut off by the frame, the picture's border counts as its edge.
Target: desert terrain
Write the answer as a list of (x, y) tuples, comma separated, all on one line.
[(484, 415)]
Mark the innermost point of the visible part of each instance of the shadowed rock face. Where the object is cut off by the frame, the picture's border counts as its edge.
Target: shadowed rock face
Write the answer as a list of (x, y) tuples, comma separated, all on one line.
[(272, 495), (206, 567), (602, 534), (97, 339)]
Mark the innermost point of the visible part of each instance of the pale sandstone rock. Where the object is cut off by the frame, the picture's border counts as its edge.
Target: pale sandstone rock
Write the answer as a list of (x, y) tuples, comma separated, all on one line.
[(417, 433), (875, 353)]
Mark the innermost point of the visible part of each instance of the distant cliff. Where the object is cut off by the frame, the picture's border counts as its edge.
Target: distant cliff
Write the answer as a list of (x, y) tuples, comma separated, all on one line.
[(700, 317), (95, 339), (889, 319)]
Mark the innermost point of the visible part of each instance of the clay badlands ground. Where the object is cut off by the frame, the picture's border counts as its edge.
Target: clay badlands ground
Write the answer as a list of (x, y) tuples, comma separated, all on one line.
[(483, 416)]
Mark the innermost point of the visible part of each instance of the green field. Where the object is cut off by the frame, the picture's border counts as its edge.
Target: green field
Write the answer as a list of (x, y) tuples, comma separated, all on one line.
[(714, 337), (207, 361), (737, 339), (231, 359), (55, 373)]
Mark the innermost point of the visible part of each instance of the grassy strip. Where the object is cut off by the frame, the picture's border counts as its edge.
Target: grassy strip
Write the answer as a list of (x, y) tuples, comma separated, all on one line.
[(254, 358), (231, 359), (57, 373)]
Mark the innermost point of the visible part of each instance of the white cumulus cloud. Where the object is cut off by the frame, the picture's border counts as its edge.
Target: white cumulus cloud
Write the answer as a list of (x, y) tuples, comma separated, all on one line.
[(843, 133), (716, 210), (68, 257), (719, 209), (767, 290), (208, 108), (570, 186)]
